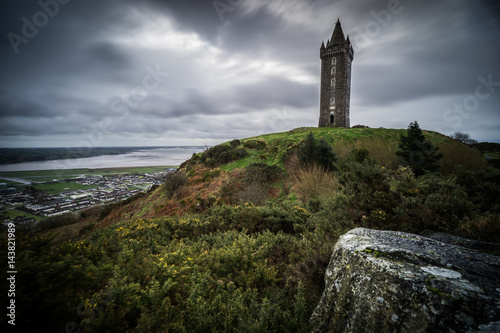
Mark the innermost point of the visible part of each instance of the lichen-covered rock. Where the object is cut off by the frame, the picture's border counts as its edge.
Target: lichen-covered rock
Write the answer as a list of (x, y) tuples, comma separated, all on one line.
[(387, 281)]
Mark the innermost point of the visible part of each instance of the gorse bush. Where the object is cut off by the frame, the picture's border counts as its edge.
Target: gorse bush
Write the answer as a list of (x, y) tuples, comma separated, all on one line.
[(223, 271), (482, 187), (262, 173), (222, 154), (175, 182), (235, 143), (255, 144)]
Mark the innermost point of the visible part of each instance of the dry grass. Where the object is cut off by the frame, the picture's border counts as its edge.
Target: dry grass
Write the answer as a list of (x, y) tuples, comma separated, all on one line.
[(484, 228), (381, 150), (313, 182), (460, 154), (292, 165)]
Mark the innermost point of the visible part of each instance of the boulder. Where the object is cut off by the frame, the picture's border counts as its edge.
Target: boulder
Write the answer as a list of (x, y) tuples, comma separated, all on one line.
[(387, 281)]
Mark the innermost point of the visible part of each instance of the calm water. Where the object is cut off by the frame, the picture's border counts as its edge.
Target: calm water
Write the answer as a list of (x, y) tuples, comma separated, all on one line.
[(146, 157)]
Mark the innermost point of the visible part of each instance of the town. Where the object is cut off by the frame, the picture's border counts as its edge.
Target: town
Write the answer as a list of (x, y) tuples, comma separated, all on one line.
[(76, 194)]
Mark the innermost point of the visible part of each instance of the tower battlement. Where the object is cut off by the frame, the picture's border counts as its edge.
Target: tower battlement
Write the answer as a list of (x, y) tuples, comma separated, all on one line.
[(336, 58)]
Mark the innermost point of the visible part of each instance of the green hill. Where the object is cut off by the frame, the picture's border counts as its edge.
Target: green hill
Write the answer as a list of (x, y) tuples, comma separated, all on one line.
[(381, 144), (239, 237)]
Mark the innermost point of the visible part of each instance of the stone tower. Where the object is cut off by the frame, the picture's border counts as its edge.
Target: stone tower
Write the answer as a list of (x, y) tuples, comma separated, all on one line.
[(336, 58)]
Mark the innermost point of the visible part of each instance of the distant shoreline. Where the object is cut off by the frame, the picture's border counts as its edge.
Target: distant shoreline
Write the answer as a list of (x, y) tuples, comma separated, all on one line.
[(129, 157), (24, 155)]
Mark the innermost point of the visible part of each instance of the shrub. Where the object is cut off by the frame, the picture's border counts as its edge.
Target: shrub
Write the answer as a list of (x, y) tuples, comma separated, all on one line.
[(368, 188), (262, 173), (222, 154), (211, 174), (229, 192), (235, 143), (255, 144), (437, 203), (482, 187), (175, 182), (254, 193), (417, 152), (360, 155), (57, 221), (313, 151)]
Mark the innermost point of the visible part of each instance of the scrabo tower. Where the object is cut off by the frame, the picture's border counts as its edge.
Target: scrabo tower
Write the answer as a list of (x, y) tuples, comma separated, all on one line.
[(336, 59)]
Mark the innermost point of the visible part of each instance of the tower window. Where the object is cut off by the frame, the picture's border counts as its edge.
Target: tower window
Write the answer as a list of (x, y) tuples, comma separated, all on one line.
[(334, 61), (332, 103), (333, 71), (333, 83)]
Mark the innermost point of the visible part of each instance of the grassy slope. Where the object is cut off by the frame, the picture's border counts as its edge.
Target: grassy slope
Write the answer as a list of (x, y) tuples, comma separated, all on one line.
[(381, 143)]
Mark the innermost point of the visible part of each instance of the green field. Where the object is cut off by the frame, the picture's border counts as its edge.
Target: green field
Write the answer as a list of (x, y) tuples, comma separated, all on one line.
[(13, 213), (48, 175), (493, 155)]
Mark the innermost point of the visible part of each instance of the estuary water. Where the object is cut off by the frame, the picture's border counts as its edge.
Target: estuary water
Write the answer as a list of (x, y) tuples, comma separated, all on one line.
[(165, 156)]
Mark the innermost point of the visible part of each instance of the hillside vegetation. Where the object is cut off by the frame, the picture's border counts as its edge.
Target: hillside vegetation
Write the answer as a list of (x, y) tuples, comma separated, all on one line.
[(238, 239)]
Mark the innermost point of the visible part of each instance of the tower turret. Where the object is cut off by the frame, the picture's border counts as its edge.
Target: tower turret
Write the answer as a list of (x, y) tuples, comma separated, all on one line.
[(336, 59)]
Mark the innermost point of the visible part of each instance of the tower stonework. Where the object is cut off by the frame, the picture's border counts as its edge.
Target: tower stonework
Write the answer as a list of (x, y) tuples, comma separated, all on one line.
[(336, 58)]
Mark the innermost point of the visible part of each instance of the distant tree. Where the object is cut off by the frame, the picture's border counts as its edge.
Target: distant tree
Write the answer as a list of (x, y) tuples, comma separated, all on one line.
[(417, 152), (313, 151), (464, 138)]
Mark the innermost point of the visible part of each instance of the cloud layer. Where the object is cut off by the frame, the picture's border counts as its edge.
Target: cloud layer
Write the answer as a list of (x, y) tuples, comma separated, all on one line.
[(202, 72)]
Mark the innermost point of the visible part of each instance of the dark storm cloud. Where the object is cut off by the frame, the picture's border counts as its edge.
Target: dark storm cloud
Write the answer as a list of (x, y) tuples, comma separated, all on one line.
[(230, 71), (13, 105), (271, 93), (197, 15)]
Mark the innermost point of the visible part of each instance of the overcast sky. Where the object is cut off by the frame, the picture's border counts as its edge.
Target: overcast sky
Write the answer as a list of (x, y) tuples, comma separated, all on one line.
[(163, 72)]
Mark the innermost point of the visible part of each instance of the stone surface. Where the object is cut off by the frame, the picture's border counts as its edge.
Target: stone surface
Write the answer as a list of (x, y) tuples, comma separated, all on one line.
[(386, 281)]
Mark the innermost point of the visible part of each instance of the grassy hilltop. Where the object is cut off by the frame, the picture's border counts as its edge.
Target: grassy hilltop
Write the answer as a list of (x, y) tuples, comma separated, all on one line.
[(381, 144), (210, 180), (239, 237)]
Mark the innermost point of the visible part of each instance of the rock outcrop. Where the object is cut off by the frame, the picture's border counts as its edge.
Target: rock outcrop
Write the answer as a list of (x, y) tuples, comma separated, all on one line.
[(386, 281)]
